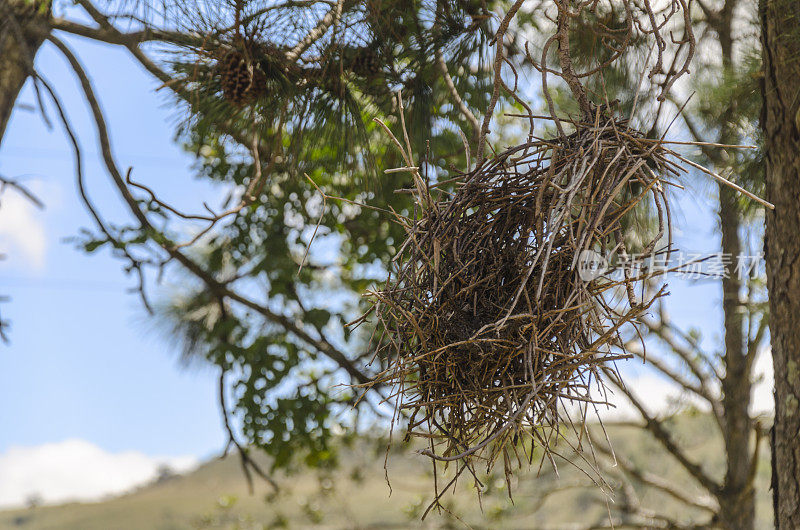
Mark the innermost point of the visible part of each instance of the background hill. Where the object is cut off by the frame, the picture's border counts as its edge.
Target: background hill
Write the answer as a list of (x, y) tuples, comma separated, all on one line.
[(356, 494)]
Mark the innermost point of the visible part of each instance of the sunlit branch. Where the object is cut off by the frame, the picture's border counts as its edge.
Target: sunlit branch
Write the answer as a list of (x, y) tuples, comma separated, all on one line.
[(661, 434), (215, 286), (659, 483)]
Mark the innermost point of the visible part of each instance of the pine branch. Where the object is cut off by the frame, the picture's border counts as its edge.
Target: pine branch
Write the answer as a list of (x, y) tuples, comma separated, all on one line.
[(109, 34), (459, 102), (332, 16), (221, 289)]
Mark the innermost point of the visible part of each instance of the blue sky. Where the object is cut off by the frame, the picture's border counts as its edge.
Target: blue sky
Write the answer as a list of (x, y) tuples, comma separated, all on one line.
[(83, 363)]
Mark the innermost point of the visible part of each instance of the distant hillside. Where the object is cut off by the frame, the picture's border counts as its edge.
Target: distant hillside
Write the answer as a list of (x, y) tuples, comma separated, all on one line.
[(357, 496)]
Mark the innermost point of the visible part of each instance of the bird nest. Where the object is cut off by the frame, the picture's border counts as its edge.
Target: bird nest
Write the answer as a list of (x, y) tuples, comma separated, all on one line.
[(493, 319)]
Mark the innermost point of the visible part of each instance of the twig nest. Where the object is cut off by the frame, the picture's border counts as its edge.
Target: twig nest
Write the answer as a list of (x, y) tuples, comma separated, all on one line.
[(488, 324)]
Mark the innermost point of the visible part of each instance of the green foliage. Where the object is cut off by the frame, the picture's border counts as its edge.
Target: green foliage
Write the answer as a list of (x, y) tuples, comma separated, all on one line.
[(308, 117), (732, 102), (315, 117), (324, 108)]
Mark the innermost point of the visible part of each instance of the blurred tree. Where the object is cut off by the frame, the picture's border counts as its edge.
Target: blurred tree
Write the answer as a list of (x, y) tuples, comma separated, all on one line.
[(276, 90), (277, 99), (23, 25), (724, 110)]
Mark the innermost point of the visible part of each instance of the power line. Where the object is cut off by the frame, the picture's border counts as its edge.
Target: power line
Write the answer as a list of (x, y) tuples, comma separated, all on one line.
[(12, 282)]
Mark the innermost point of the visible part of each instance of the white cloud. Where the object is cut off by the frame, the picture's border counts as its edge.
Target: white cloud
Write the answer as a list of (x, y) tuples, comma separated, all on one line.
[(764, 377), (658, 395), (661, 396), (22, 227), (76, 470)]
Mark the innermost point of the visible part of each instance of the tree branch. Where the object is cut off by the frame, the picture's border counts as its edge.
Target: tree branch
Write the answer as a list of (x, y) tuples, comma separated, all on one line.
[(659, 364), (214, 285), (498, 68), (665, 437), (664, 331), (315, 34), (131, 41), (654, 481), (111, 35), (135, 263), (28, 194), (462, 107), (245, 460)]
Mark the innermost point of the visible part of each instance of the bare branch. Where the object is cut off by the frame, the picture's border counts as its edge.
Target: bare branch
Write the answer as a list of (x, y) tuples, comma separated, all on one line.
[(246, 461), (661, 434), (665, 332), (662, 330), (136, 264), (498, 68), (567, 72), (214, 285), (327, 21), (459, 102), (28, 194), (649, 479), (660, 365)]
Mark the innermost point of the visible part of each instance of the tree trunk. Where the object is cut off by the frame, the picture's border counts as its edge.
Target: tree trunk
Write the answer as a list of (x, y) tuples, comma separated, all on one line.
[(23, 27), (781, 125), (737, 498)]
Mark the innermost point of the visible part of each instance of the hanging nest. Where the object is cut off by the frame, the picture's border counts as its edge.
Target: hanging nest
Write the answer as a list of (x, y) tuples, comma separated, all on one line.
[(488, 325)]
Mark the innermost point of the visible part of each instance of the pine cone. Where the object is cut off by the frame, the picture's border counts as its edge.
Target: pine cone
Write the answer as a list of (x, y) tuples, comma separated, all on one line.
[(365, 63), (242, 81)]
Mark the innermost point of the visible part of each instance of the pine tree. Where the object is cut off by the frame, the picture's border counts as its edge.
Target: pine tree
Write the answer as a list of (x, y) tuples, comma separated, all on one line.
[(23, 27), (277, 100), (781, 124), (723, 109)]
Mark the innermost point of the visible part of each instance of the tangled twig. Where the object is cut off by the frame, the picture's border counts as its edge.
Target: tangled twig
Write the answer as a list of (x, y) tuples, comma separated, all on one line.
[(488, 325)]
